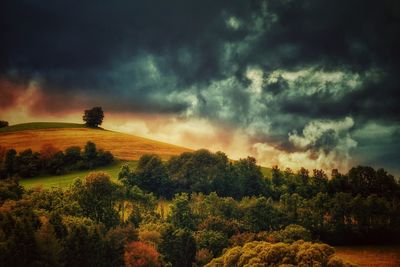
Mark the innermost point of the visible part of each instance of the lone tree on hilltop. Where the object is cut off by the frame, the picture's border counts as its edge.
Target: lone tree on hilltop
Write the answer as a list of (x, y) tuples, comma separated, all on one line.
[(93, 117), (3, 124)]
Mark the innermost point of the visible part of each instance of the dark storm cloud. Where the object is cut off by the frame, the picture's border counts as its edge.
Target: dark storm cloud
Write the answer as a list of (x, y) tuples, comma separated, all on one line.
[(320, 60)]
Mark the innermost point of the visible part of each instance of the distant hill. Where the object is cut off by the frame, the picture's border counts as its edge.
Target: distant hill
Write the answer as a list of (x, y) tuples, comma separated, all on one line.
[(39, 125), (62, 135)]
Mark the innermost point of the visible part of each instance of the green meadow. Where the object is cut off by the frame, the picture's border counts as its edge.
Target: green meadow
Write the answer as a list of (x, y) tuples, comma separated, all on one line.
[(65, 180)]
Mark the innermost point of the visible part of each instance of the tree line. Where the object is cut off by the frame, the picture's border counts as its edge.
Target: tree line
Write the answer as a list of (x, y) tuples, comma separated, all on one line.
[(51, 160), (204, 172)]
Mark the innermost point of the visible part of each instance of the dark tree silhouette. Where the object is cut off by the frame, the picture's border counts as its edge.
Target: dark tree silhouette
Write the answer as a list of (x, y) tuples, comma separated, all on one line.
[(3, 124), (93, 117)]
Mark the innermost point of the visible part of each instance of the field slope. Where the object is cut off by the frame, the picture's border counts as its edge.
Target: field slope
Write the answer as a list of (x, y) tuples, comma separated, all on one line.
[(39, 125), (63, 135)]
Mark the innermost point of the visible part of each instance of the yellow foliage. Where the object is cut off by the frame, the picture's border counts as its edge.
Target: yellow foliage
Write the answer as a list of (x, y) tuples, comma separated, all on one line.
[(261, 253)]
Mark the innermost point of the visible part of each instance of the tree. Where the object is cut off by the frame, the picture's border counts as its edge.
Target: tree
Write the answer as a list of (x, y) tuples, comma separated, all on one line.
[(97, 196), (181, 215), (9, 162), (93, 117), (178, 246), (116, 240), (200, 171), (140, 254), (277, 178), (291, 233), (3, 124), (151, 176), (212, 240), (49, 247), (27, 163), (72, 155), (52, 159), (82, 247), (260, 214), (10, 189), (249, 175), (89, 155)]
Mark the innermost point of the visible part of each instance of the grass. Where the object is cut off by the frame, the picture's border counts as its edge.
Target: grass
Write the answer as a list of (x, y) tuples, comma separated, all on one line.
[(371, 256), (123, 146), (65, 180), (39, 125)]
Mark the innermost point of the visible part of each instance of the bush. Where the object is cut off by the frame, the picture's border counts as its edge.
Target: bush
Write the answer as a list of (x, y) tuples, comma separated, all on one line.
[(260, 253)]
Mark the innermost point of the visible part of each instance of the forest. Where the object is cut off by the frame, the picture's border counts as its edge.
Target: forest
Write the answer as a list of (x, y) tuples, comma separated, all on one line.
[(198, 209)]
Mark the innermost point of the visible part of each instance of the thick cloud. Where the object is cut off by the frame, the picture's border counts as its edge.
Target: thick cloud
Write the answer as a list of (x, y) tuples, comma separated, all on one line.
[(272, 69)]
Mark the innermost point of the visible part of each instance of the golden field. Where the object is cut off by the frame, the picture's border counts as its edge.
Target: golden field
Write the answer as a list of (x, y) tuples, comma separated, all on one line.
[(371, 256), (123, 146)]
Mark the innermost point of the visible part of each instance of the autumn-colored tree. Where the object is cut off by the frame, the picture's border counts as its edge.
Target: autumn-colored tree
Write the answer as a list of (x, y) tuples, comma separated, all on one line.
[(47, 151), (203, 256), (140, 254)]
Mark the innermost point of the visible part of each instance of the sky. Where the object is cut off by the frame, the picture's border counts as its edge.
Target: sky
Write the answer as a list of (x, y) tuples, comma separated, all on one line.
[(291, 82)]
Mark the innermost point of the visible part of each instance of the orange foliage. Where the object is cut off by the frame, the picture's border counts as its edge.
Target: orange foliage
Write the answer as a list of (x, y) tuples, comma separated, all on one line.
[(140, 254)]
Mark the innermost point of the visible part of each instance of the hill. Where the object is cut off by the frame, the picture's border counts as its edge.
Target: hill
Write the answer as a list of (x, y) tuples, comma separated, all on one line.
[(39, 125), (63, 135)]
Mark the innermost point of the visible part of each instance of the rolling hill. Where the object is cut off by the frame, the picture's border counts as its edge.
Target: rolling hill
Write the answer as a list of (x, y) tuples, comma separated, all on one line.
[(63, 135)]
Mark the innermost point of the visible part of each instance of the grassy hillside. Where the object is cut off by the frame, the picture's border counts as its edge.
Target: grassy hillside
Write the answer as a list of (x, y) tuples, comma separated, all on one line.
[(63, 135), (39, 125), (67, 179)]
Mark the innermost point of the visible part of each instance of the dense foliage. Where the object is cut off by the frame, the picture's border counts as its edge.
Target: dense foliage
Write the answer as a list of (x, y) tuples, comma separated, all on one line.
[(259, 253), (218, 212), (360, 206), (3, 124), (51, 160), (199, 171), (93, 117)]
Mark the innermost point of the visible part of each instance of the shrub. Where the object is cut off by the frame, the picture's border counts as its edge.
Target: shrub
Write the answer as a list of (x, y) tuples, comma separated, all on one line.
[(260, 253)]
